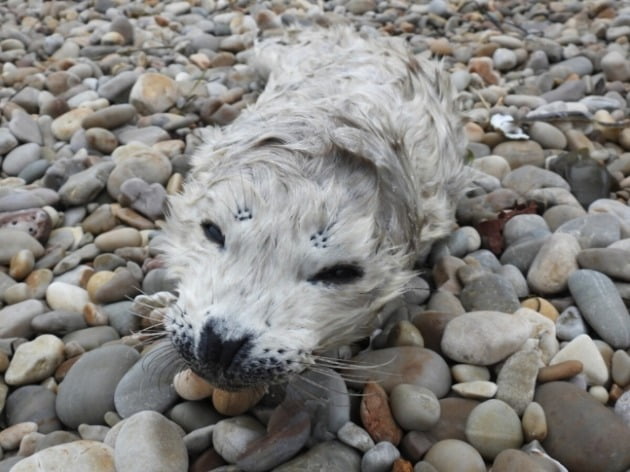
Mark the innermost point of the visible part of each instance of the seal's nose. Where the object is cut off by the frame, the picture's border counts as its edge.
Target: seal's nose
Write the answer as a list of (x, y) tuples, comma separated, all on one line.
[(214, 349)]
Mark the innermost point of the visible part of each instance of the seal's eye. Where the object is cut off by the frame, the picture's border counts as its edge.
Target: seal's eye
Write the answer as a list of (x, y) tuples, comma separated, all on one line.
[(213, 233), (338, 274)]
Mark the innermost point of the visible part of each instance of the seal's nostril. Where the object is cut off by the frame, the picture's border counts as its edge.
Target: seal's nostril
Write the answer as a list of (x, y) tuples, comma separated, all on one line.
[(214, 349)]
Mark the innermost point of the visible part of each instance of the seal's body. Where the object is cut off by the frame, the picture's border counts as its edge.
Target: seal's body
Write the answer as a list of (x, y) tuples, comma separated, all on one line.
[(302, 218)]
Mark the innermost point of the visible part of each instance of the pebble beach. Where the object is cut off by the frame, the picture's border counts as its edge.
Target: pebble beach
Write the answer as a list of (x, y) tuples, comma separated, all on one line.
[(510, 351)]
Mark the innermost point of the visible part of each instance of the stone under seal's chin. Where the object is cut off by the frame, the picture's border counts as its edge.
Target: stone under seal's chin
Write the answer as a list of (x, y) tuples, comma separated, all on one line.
[(233, 363)]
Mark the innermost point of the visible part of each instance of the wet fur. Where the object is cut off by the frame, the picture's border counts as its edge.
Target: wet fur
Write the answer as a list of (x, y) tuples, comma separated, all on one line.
[(352, 154)]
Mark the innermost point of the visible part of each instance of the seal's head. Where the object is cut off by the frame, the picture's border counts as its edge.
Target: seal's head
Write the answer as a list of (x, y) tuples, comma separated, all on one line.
[(279, 255)]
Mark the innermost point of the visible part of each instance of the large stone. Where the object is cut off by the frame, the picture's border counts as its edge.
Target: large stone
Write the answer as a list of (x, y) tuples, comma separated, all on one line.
[(583, 434), (484, 337)]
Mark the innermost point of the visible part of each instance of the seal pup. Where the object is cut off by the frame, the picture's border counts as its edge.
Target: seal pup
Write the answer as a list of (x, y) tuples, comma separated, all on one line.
[(300, 220)]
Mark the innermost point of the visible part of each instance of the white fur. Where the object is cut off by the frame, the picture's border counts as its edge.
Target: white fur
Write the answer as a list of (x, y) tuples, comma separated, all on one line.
[(353, 137)]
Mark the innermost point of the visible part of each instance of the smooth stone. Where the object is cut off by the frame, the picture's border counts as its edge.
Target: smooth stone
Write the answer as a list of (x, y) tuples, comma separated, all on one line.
[(414, 408), (142, 197), (601, 305), (153, 93), (529, 177), (534, 423), (192, 416), (484, 337), (355, 436), (149, 135), (493, 165), (25, 128), (520, 153), (15, 320), (58, 322), (582, 434), (22, 199), (66, 297), (20, 157), (33, 403), (547, 135), (477, 389), (523, 227), (232, 436), (92, 337), (469, 373), (516, 381), (121, 285), (504, 59), (149, 441), (455, 455), (492, 427), (612, 262), (331, 456), (570, 324), (620, 369), (147, 385), (615, 66), (522, 254), (622, 407), (84, 186), (118, 86), (110, 118), (101, 140), (557, 215), (117, 238), (35, 360), (12, 241), (7, 141), (11, 437), (489, 292), (516, 278), (554, 263), (380, 458), (64, 126), (593, 230), (288, 432), (328, 404), (512, 460), (77, 456), (87, 391), (584, 350), (569, 91), (413, 365), (376, 415), (138, 160)]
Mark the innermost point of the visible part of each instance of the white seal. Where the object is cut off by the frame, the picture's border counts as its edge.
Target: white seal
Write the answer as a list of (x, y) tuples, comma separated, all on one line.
[(303, 217)]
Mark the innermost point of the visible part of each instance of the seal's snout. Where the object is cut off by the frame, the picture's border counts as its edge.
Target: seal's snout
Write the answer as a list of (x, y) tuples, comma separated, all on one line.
[(214, 348)]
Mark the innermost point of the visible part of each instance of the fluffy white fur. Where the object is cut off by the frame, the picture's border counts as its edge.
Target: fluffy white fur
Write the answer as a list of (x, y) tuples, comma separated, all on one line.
[(351, 155)]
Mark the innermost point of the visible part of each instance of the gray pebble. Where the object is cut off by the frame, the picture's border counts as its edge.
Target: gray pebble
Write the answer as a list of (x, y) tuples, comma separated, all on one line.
[(523, 227), (331, 456), (82, 187), (600, 303), (93, 337), (592, 231), (569, 91), (33, 403), (7, 141), (380, 458), (489, 292), (355, 436), (87, 391), (25, 128), (149, 441), (147, 385), (570, 324), (20, 157), (58, 322), (16, 319)]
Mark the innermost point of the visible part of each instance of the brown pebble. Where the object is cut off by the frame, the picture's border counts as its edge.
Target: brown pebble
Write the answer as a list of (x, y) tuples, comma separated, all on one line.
[(94, 316), (64, 367), (542, 306), (132, 218), (377, 416), (401, 465), (208, 460), (560, 371), (235, 403), (483, 66)]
